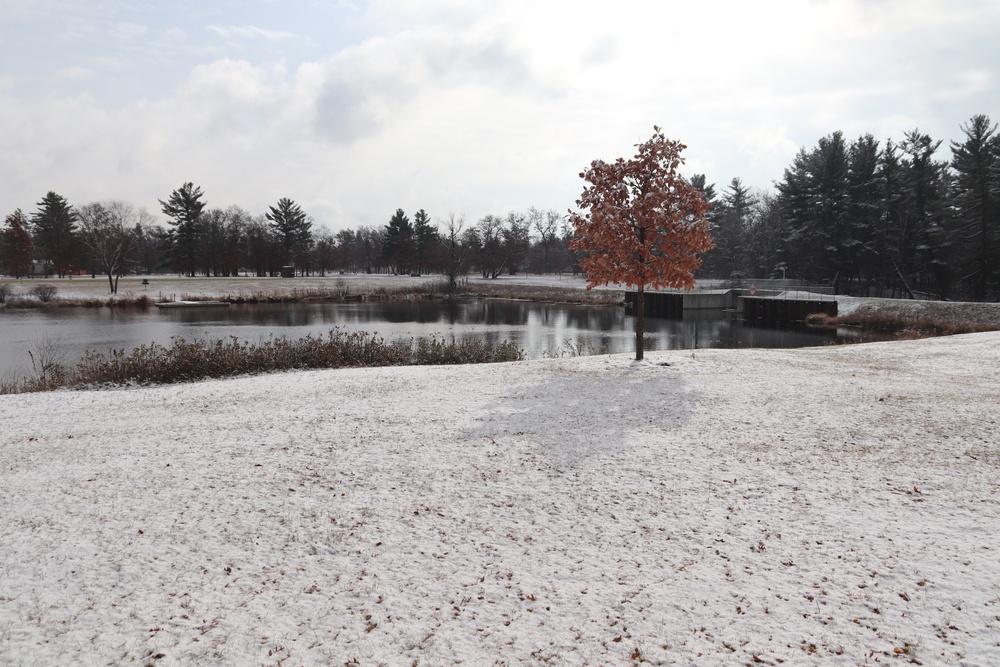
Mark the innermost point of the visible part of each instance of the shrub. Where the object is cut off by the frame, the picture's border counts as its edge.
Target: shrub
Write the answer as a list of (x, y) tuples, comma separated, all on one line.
[(43, 292), (913, 325), (5, 290), (186, 360), (585, 348), (47, 371), (432, 351)]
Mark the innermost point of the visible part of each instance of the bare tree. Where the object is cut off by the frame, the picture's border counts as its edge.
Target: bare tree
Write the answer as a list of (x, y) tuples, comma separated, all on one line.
[(223, 236), (454, 249), (489, 231), (153, 248), (108, 229), (370, 241), (546, 224), (324, 249)]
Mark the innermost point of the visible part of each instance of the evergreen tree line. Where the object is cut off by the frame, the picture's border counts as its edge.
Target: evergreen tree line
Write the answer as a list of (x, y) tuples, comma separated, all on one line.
[(867, 218)]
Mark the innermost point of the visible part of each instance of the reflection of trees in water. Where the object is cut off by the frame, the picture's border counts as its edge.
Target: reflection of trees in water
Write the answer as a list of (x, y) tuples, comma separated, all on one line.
[(708, 330), (751, 336), (595, 318), (274, 314), (431, 311), (696, 330), (423, 312), (509, 313)]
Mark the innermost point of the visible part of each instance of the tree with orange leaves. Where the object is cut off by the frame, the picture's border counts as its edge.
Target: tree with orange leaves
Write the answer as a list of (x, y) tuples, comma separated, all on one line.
[(645, 226)]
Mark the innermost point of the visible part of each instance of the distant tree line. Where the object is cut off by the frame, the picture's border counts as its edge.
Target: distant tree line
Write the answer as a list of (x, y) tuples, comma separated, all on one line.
[(113, 238), (869, 218), (532, 240), (864, 217)]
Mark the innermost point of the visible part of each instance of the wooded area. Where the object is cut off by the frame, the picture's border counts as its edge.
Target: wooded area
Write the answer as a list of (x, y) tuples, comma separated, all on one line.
[(867, 217)]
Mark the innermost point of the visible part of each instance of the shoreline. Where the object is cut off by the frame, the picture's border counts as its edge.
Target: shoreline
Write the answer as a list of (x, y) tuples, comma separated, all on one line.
[(920, 317), (335, 288)]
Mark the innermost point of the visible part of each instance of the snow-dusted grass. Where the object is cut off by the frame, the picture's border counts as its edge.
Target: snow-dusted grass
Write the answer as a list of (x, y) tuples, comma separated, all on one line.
[(835, 505), (178, 287), (926, 317)]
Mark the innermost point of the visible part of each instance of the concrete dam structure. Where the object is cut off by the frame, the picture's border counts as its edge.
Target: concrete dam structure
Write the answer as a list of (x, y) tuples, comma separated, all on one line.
[(772, 308)]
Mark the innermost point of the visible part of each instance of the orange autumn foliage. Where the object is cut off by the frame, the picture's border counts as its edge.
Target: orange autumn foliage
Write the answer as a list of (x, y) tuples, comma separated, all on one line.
[(646, 224)]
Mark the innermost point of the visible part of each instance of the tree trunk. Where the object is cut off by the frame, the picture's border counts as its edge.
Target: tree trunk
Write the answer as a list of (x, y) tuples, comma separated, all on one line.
[(640, 320)]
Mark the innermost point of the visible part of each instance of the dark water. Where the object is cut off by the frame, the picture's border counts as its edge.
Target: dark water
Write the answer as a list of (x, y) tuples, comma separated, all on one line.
[(538, 329)]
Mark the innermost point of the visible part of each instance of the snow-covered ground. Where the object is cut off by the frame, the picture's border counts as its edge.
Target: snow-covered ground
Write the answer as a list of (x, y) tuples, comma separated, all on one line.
[(178, 287), (835, 505), (983, 314)]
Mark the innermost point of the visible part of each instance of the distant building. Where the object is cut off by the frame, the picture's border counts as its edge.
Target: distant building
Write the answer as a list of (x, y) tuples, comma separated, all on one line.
[(40, 268)]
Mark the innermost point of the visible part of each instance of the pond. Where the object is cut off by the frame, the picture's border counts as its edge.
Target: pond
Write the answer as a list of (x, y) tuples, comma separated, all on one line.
[(539, 329)]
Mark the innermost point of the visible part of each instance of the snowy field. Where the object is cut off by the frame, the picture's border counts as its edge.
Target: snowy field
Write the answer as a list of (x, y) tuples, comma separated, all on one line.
[(834, 505), (177, 287)]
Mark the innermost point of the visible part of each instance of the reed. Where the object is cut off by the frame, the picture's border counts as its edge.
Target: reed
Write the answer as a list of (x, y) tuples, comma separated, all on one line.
[(914, 326), (185, 361)]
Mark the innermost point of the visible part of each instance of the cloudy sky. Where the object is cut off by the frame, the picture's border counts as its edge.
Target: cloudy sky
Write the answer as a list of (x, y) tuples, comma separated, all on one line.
[(354, 108)]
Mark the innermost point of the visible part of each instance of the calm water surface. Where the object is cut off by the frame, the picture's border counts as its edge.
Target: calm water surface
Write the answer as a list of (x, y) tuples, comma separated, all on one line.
[(538, 329)]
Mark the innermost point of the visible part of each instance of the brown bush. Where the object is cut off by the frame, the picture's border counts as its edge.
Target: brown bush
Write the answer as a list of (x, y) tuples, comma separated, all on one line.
[(185, 361), (43, 292)]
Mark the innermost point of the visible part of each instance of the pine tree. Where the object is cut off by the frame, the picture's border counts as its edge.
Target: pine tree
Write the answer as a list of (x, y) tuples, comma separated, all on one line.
[(975, 197), (729, 229), (16, 246), (425, 238), (858, 258), (891, 239), (516, 239), (765, 237), (54, 232), (815, 198), (292, 227), (925, 184), (397, 244), (700, 181), (184, 209)]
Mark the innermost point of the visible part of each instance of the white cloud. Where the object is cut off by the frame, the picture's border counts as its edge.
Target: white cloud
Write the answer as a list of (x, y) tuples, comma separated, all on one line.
[(130, 31), (74, 73), (250, 32), (472, 108)]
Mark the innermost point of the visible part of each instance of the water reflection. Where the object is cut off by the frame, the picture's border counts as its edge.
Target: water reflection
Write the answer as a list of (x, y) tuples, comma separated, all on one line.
[(539, 329)]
